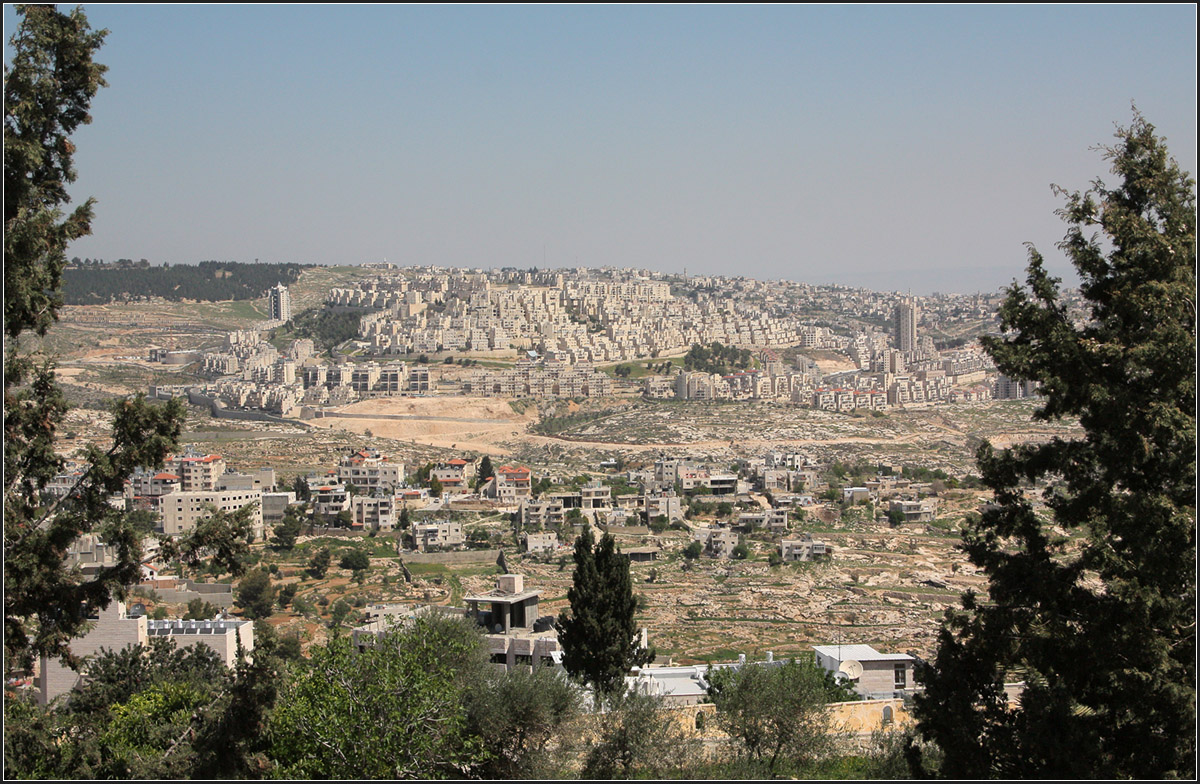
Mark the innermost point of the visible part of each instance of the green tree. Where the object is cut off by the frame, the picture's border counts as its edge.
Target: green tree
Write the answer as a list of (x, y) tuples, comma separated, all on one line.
[(599, 637), (288, 529), (319, 563), (256, 594), (355, 560), (693, 550), (339, 611), (221, 539), (286, 594), (1100, 624), (486, 471), (200, 610), (47, 93), (144, 728), (636, 737), (775, 713), (394, 710), (113, 677), (301, 489), (517, 713)]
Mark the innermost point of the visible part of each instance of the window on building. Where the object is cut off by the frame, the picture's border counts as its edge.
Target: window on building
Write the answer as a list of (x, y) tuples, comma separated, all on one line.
[(901, 676)]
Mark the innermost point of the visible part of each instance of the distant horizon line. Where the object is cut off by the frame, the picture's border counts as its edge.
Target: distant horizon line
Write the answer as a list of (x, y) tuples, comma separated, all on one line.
[(913, 287)]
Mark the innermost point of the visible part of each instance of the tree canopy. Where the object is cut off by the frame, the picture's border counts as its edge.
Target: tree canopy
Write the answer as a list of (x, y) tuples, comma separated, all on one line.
[(599, 636), (1094, 608), (775, 713), (47, 94), (393, 710)]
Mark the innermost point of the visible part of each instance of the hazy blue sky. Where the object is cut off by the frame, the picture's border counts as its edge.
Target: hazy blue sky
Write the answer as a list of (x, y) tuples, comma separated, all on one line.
[(887, 147)]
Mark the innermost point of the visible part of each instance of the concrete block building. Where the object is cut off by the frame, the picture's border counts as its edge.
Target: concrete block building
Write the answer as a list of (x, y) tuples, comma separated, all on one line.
[(874, 675)]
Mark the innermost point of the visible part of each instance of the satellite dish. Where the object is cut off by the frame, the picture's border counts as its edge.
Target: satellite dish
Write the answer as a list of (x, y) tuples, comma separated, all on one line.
[(137, 609), (852, 668)]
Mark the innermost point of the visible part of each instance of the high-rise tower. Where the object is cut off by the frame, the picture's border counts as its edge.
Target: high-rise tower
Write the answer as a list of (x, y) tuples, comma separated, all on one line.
[(279, 303), (906, 326)]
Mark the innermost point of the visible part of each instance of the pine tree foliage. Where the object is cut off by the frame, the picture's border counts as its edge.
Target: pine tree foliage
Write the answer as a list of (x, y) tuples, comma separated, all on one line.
[(1094, 610), (599, 637), (47, 92)]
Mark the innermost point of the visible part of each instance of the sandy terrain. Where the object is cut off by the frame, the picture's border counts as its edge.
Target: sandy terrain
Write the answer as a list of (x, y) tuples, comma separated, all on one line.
[(465, 423)]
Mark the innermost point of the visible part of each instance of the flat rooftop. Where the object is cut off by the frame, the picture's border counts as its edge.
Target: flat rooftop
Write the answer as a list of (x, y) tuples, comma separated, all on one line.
[(497, 596), (860, 653)]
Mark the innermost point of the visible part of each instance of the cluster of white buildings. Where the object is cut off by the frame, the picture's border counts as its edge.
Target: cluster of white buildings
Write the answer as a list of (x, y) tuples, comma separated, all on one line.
[(563, 323), (583, 316), (250, 373), (541, 378)]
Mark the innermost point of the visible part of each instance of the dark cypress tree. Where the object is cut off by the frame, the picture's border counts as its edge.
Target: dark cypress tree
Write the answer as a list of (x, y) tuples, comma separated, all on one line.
[(1094, 609), (486, 471), (599, 637)]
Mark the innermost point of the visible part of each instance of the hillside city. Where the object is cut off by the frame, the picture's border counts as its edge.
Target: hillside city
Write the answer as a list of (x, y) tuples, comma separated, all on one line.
[(453, 518), (568, 336)]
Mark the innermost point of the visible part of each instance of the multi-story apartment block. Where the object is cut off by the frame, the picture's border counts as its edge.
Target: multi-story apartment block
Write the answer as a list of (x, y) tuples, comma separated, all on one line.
[(374, 513), (182, 509), (718, 542), (906, 326), (923, 511), (115, 629), (772, 520), (198, 473), (452, 474), (152, 484), (542, 514), (279, 303), (261, 479), (595, 495), (329, 499), (438, 535), (275, 504), (803, 549), (665, 504), (511, 484), (370, 472)]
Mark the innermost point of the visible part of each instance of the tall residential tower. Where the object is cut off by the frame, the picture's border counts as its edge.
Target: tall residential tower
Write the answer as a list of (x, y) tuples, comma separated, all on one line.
[(279, 303), (906, 326)]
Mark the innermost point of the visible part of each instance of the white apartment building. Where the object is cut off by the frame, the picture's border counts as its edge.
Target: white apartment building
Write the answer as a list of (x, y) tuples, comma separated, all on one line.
[(511, 484), (181, 510), (198, 472), (279, 303), (114, 629), (370, 472), (441, 534), (803, 549), (329, 499), (374, 512)]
